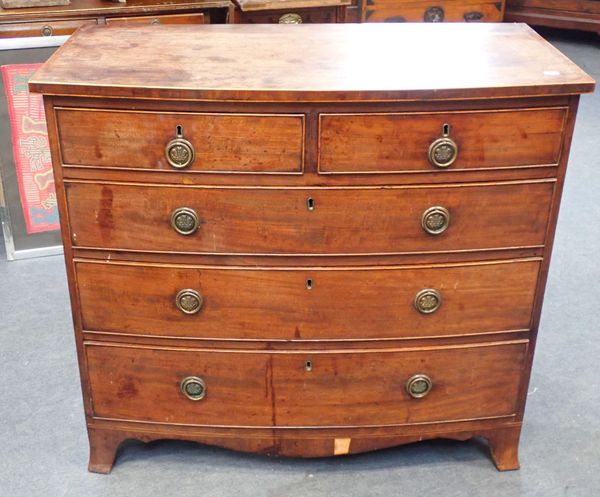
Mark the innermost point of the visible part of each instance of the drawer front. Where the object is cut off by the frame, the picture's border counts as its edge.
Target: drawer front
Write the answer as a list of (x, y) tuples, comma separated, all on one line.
[(242, 143), (45, 28), (434, 11), (369, 388), (305, 388), (297, 16), (308, 221), (307, 304), (388, 143), (197, 18), (145, 385)]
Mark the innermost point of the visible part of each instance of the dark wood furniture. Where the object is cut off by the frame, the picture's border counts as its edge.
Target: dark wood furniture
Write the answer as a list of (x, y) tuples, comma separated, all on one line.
[(289, 11), (308, 256), (65, 19), (432, 10), (568, 14)]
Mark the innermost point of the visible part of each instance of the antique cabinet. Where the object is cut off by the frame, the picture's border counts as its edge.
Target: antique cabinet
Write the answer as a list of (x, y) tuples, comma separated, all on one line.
[(63, 20), (432, 10), (568, 14), (308, 256)]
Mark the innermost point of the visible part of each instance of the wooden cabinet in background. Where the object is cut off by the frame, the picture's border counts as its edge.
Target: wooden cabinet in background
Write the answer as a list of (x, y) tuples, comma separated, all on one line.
[(432, 10), (568, 14), (309, 254)]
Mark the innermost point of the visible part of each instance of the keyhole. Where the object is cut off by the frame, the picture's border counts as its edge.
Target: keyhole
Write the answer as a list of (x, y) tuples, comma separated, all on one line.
[(179, 130), (309, 284), (446, 129), (310, 204), (308, 366)]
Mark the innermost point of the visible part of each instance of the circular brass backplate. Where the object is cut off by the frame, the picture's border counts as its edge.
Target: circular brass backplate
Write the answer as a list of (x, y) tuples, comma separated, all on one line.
[(193, 388), (179, 153), (47, 30), (185, 221), (443, 152), (428, 301), (291, 18), (435, 220), (418, 386), (189, 301)]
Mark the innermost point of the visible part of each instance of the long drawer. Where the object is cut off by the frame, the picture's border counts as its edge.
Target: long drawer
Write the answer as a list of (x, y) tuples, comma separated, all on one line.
[(379, 220), (395, 142), (210, 142), (341, 388), (306, 304)]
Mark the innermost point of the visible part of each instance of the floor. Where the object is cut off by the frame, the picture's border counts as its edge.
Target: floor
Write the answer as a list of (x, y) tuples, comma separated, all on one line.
[(43, 449)]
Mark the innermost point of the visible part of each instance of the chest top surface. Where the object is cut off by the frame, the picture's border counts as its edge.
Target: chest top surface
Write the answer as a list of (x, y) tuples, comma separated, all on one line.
[(383, 62)]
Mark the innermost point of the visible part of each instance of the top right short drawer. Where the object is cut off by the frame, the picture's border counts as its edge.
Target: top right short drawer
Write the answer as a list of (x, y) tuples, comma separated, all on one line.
[(457, 140)]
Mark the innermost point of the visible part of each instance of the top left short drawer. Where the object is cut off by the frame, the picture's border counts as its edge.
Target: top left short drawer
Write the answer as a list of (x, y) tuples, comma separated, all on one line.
[(184, 141)]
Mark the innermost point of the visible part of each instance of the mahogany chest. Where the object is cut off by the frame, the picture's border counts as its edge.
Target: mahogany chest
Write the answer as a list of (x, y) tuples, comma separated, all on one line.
[(318, 253)]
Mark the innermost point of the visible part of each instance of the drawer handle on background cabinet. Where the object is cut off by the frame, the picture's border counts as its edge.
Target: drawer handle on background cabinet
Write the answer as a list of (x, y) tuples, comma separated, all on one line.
[(291, 18), (428, 301), (473, 16), (47, 30), (179, 152), (435, 220), (434, 14), (189, 301), (193, 388), (185, 221), (418, 386), (443, 151)]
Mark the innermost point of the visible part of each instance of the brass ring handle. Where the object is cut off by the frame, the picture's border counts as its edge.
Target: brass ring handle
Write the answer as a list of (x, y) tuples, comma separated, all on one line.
[(291, 18), (193, 388), (418, 386), (443, 151), (189, 301), (47, 30), (435, 220), (185, 221), (155, 22), (428, 301), (179, 152)]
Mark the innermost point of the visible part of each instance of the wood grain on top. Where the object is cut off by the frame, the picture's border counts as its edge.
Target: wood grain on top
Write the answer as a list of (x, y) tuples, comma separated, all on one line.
[(310, 62)]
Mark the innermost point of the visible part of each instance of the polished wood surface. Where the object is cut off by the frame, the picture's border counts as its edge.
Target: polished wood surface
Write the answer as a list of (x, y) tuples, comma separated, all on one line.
[(277, 220), (399, 142), (438, 11), (298, 304), (275, 389), (118, 61), (270, 143), (308, 331)]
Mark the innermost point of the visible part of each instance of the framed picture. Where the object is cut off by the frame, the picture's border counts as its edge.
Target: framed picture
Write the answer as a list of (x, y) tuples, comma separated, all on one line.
[(28, 210)]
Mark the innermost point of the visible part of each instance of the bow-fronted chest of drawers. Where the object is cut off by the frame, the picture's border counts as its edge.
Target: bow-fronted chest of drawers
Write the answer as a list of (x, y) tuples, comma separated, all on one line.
[(338, 247)]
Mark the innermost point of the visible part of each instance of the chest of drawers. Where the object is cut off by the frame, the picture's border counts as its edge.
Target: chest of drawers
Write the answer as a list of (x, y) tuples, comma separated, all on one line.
[(308, 255)]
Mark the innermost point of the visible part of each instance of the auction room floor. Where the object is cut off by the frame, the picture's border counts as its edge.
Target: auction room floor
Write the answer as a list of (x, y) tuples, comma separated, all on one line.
[(43, 442)]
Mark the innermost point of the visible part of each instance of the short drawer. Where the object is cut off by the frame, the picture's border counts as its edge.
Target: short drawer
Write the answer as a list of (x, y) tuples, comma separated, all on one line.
[(416, 142), (434, 11), (306, 304), (191, 142), (317, 221), (295, 16), (45, 28), (309, 388), (370, 388), (145, 384), (196, 18)]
